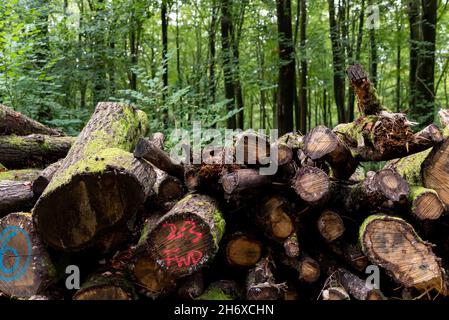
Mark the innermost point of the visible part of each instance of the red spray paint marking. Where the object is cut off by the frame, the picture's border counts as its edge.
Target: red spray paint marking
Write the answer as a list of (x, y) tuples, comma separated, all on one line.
[(191, 258), (175, 234)]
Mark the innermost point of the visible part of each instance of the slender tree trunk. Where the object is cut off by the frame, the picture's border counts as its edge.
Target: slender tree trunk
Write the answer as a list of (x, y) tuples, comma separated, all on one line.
[(286, 80), (338, 63), (415, 38), (178, 50), (373, 52), (164, 25), (398, 61), (212, 51), (99, 53), (424, 109), (236, 61), (303, 99), (226, 38)]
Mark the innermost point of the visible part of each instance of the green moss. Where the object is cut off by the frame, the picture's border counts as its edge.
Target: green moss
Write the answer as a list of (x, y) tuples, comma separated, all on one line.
[(15, 140), (2, 168), (220, 224), (214, 294), (94, 164), (410, 167), (16, 175)]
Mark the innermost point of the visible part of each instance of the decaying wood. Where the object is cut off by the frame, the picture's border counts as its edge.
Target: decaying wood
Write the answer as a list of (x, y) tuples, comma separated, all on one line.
[(261, 283)]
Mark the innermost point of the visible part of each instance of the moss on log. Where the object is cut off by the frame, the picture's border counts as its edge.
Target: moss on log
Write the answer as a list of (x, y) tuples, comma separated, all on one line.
[(20, 175), (33, 151), (99, 184)]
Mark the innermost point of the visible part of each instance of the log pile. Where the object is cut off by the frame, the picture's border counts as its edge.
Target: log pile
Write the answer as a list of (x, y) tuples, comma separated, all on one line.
[(139, 224)]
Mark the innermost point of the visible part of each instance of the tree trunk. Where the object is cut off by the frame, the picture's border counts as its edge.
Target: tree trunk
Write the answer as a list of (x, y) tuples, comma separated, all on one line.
[(338, 63), (33, 151), (303, 99), (286, 79), (99, 184), (12, 122), (226, 44)]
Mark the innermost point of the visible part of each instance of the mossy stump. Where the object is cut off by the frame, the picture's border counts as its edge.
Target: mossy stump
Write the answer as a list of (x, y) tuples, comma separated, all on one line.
[(393, 244), (187, 237), (26, 267), (99, 185)]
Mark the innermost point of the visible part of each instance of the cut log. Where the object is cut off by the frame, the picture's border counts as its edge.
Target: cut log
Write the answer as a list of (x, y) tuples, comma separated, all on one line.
[(20, 175), (357, 287), (26, 267), (243, 250), (192, 287), (99, 184), (335, 294), (293, 140), (12, 122), (15, 196), (323, 144), (151, 280), (244, 179), (425, 203), (106, 286), (367, 98), (41, 182), (187, 237), (151, 152), (167, 189), (261, 284), (307, 268), (330, 225), (312, 185), (274, 218), (393, 244), (223, 290), (291, 246), (385, 185), (33, 151), (434, 171)]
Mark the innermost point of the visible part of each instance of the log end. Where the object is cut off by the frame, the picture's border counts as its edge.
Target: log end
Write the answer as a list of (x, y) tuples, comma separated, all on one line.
[(312, 185)]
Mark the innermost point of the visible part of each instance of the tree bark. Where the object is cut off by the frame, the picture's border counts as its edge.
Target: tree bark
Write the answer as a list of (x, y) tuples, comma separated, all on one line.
[(12, 122), (16, 196), (41, 182), (286, 79), (20, 175)]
